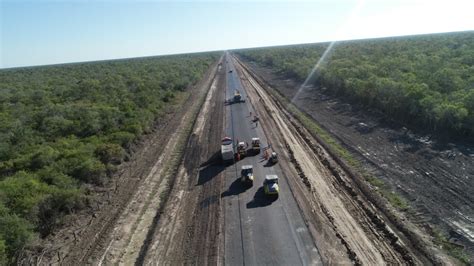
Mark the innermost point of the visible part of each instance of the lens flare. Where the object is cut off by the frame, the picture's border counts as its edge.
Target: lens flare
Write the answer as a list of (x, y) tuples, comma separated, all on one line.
[(313, 74)]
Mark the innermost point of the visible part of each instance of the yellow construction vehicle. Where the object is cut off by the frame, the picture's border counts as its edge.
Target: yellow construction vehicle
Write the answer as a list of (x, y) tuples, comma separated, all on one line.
[(256, 145), (242, 149)]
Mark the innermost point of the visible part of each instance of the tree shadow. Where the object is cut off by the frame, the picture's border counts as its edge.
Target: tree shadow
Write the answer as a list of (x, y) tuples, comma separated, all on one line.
[(235, 188), (261, 200)]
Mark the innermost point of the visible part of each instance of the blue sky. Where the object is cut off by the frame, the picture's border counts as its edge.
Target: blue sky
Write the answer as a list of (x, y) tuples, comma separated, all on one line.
[(58, 31)]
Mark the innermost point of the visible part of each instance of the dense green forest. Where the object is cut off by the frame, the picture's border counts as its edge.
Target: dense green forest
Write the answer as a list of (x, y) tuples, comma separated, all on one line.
[(67, 126), (427, 79)]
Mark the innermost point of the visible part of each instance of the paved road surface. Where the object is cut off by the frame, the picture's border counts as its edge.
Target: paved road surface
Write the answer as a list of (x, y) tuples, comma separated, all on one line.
[(259, 231)]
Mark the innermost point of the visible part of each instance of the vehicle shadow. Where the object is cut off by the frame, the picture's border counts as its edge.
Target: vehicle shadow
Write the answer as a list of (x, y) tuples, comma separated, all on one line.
[(235, 188), (210, 169), (214, 159), (269, 164), (261, 200), (251, 152)]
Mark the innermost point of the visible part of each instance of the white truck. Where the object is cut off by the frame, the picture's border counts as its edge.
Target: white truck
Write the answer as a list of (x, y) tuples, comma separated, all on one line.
[(227, 150)]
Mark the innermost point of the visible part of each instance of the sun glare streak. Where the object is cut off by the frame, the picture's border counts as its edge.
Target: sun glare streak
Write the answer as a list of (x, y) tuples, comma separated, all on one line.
[(329, 49)]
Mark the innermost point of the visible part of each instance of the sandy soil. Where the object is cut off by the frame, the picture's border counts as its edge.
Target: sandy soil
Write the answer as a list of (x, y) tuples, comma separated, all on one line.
[(435, 174), (363, 231), (189, 227), (115, 227)]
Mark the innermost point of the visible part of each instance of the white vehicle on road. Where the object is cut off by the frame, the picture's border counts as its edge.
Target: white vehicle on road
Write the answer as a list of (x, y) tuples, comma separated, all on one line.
[(227, 150)]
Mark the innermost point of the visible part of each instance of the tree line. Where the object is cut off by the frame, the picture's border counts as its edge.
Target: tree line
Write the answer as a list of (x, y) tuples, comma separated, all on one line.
[(65, 127), (426, 80)]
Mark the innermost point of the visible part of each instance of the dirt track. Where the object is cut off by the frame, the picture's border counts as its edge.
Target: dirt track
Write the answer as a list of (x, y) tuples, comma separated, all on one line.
[(114, 228), (165, 207), (362, 230), (189, 228), (434, 174)]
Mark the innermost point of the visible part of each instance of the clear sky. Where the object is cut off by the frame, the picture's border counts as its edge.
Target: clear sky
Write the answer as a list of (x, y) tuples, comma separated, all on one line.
[(43, 32)]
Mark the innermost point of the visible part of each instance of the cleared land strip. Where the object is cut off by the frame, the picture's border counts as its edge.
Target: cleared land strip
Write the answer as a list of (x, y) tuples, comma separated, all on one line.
[(138, 184), (87, 234), (131, 229), (188, 229), (367, 238)]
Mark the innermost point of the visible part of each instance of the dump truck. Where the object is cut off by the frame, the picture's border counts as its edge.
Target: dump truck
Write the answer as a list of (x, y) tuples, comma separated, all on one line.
[(227, 150), (270, 185), (256, 145), (246, 175)]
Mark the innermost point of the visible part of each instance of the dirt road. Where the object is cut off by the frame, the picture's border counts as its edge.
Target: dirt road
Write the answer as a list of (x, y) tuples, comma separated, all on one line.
[(114, 229), (432, 173), (364, 232), (186, 207), (189, 227)]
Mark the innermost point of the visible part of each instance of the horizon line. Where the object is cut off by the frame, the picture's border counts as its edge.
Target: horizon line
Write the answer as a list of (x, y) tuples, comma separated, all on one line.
[(229, 49)]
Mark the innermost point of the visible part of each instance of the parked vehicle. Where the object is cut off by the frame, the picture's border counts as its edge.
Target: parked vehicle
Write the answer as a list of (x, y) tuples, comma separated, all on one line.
[(227, 150)]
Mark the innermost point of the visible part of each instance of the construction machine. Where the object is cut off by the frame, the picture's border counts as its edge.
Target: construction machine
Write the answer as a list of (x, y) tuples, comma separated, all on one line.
[(238, 97), (242, 149), (256, 145), (246, 175), (273, 158), (270, 185)]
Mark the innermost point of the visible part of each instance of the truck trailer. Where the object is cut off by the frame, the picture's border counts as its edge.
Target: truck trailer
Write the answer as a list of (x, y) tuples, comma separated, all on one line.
[(227, 150)]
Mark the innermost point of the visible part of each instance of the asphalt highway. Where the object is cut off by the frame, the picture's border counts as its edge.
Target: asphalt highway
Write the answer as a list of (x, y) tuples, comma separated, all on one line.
[(259, 230)]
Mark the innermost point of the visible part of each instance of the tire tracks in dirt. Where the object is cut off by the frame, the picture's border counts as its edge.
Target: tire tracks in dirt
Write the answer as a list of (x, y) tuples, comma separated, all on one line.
[(133, 231), (112, 229), (189, 227), (368, 239)]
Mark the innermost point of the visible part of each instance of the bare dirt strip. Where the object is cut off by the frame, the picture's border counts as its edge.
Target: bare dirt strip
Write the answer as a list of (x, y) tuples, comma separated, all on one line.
[(334, 196), (189, 227), (115, 227), (433, 172)]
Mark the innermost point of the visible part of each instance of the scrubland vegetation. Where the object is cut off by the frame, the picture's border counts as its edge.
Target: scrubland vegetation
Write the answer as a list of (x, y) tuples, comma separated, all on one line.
[(66, 127), (426, 80)]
